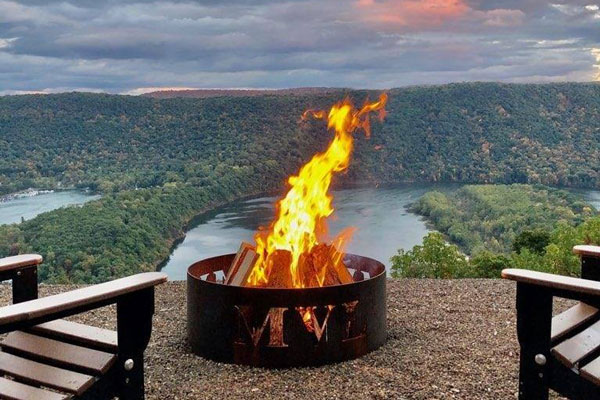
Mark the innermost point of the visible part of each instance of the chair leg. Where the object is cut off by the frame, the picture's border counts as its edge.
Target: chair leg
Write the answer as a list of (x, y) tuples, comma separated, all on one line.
[(531, 385), (534, 320), (132, 382), (25, 284), (134, 326)]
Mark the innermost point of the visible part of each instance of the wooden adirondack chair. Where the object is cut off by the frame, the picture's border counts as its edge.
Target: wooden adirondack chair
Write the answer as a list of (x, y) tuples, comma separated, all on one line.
[(562, 352), (44, 357)]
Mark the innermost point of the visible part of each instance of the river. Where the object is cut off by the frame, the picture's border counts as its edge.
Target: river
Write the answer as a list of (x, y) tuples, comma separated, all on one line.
[(12, 211), (383, 225), (380, 215)]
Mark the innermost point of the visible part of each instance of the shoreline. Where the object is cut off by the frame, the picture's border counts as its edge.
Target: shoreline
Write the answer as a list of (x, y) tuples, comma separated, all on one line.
[(22, 194), (195, 221), (198, 218), (33, 192)]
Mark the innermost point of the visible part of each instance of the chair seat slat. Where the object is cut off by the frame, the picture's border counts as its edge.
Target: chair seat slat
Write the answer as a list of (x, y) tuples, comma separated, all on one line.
[(58, 353), (571, 319), (12, 390), (592, 371), (73, 332), (40, 374), (576, 348)]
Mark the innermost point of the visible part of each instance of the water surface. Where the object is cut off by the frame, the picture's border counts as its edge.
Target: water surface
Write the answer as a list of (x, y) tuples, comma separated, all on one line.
[(380, 214), (591, 196), (12, 211)]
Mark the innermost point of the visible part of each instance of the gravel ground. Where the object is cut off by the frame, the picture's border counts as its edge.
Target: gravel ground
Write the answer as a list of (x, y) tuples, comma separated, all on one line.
[(453, 339)]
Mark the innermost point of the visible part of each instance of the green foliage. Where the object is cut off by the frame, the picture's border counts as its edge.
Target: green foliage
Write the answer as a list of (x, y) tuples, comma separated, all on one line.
[(554, 216), (486, 264), (158, 164), (11, 240), (473, 132), (186, 155), (115, 236), (534, 240), (490, 133), (113, 143), (494, 217), (434, 259)]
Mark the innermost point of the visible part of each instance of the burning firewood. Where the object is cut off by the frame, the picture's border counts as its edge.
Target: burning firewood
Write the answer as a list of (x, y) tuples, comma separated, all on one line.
[(278, 269), (323, 266), (242, 265)]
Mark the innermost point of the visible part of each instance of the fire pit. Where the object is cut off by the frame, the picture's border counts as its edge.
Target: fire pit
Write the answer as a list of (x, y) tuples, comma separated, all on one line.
[(264, 327), (294, 298)]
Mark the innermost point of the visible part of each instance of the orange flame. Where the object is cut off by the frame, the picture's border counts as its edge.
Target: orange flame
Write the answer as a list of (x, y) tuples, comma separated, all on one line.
[(302, 213)]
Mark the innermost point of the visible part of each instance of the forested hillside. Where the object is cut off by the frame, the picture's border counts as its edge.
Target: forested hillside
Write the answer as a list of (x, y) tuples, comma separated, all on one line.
[(176, 157), (490, 217), (114, 143), (499, 226), (475, 132)]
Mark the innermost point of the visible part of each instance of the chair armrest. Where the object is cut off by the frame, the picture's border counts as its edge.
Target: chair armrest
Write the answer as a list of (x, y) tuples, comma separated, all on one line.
[(20, 261), (49, 308), (590, 261), (556, 283), (587, 251), (22, 270)]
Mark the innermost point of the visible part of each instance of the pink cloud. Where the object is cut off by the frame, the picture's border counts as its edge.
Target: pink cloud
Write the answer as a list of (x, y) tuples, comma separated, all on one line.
[(427, 14), (424, 13)]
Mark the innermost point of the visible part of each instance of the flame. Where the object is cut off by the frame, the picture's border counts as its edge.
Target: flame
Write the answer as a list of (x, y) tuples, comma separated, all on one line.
[(292, 240), (307, 317)]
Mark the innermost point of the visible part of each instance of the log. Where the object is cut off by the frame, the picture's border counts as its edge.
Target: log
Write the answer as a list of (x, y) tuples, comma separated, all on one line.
[(323, 266), (242, 265), (278, 270)]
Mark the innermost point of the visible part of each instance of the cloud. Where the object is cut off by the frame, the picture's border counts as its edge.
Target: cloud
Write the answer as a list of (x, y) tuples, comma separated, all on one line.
[(21, 92), (138, 91), (568, 9), (4, 43), (596, 54), (413, 13), (503, 18), (13, 12), (131, 45)]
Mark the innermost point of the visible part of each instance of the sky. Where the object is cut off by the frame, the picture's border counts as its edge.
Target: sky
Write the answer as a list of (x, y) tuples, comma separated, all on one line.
[(135, 46)]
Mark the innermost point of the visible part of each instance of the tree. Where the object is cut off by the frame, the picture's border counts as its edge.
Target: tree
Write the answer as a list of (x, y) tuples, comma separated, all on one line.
[(434, 259), (489, 265), (535, 240), (501, 218)]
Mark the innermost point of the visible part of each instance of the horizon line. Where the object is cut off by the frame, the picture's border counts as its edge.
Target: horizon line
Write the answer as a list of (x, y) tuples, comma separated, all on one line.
[(166, 89)]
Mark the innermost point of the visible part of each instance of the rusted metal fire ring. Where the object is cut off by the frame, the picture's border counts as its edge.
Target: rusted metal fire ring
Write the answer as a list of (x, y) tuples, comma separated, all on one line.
[(263, 327)]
